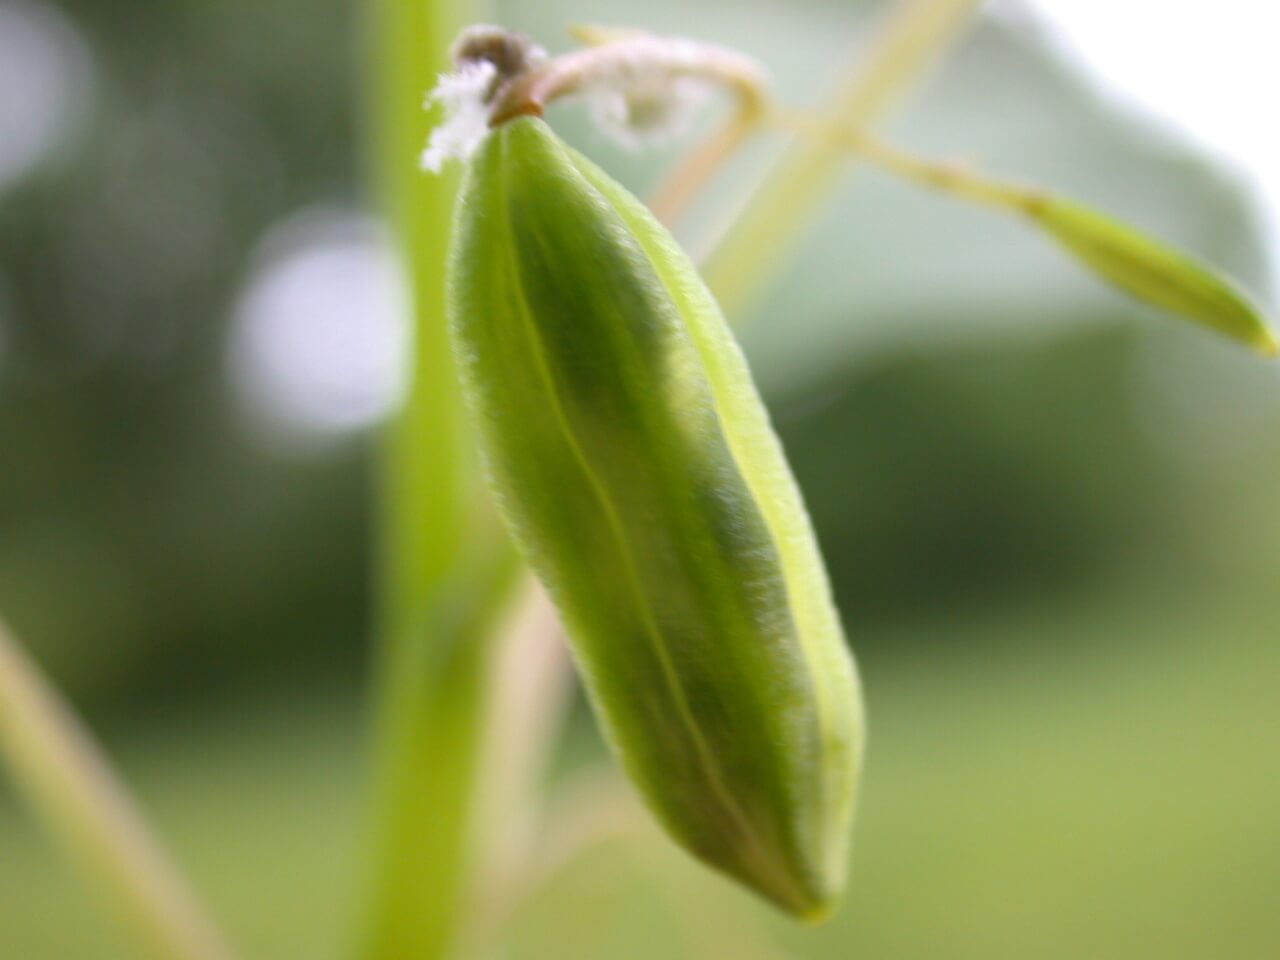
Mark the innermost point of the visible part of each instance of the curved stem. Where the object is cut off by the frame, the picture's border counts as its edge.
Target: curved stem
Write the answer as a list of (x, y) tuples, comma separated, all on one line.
[(621, 59)]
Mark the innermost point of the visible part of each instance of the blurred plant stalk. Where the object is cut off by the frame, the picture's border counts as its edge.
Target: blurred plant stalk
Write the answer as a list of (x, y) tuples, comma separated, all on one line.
[(748, 254), (532, 681), (70, 786), (445, 571)]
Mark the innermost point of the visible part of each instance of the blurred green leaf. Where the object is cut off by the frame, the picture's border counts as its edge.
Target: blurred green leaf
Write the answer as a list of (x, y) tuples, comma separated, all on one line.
[(1152, 272)]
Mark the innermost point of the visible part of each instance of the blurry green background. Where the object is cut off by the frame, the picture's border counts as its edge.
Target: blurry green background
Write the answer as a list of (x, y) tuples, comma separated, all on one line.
[(1052, 517)]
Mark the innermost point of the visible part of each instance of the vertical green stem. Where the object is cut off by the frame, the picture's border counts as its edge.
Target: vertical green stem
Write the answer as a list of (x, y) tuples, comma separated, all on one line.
[(71, 787), (444, 567), (430, 726), (749, 252), (424, 494)]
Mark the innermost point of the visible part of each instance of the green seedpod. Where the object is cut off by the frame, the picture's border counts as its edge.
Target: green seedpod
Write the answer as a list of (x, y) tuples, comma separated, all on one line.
[(635, 464), (1152, 272)]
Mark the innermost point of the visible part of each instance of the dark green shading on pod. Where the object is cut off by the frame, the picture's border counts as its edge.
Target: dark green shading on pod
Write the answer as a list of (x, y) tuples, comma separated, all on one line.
[(637, 469)]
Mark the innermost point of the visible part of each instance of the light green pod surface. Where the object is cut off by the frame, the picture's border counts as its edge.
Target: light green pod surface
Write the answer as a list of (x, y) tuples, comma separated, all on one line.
[(636, 465)]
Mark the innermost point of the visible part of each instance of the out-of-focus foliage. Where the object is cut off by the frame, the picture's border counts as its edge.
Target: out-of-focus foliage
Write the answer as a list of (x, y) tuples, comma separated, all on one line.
[(1050, 516), (148, 544)]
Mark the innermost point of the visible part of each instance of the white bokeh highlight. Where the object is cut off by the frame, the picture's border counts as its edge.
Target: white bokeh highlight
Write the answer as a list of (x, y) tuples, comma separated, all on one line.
[(318, 336), (44, 85)]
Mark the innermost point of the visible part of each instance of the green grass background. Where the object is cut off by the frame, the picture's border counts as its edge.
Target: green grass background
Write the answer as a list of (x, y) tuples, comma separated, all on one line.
[(1102, 783)]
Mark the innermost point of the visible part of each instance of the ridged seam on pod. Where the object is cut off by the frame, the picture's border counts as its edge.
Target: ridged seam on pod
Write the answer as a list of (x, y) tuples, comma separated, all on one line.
[(637, 469)]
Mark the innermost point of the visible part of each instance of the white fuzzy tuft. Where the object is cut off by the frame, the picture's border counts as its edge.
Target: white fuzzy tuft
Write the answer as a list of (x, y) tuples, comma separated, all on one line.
[(464, 95), (646, 116), (644, 96)]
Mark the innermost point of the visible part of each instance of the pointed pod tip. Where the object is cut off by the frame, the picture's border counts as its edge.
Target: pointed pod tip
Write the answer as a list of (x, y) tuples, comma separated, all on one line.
[(817, 914), (1266, 344), (809, 902)]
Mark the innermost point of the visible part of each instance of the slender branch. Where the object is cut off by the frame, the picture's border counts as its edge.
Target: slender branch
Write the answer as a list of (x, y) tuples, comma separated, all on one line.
[(1118, 254), (745, 256), (70, 785), (675, 194), (950, 178), (531, 681)]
